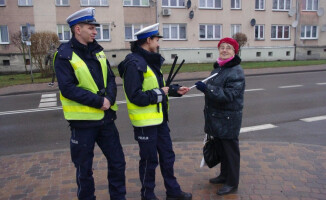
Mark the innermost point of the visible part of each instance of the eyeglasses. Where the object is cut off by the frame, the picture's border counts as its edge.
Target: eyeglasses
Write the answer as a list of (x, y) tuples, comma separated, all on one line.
[(228, 48)]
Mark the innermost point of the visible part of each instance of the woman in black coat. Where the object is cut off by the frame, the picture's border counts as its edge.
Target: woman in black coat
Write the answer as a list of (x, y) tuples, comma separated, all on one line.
[(223, 112)]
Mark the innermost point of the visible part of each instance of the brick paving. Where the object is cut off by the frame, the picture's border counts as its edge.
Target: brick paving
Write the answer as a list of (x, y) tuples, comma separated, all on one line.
[(268, 171)]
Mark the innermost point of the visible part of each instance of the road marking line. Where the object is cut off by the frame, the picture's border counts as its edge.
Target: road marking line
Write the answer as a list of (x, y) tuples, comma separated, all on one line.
[(290, 86), (251, 90), (30, 110), (48, 95), (48, 104), (312, 119), (49, 100), (257, 128), (321, 83)]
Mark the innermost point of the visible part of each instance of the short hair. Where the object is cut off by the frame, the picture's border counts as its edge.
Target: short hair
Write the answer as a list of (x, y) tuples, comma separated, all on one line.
[(72, 29)]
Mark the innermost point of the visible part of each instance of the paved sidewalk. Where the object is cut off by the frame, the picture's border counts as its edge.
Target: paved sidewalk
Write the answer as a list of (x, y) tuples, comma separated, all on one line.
[(268, 171)]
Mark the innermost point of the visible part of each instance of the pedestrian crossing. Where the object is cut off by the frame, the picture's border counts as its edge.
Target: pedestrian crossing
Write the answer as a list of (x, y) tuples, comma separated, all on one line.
[(48, 100)]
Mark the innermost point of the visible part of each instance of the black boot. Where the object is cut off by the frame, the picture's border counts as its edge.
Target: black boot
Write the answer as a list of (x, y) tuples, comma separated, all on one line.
[(218, 180), (155, 198), (226, 189), (181, 196)]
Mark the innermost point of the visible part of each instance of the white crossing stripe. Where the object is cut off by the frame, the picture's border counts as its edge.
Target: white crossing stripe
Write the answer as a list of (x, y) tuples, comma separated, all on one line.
[(257, 128), (321, 83), (251, 90), (290, 86), (49, 95), (312, 119), (48, 100)]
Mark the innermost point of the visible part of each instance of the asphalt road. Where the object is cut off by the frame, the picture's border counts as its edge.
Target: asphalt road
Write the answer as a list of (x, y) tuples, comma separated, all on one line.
[(276, 108)]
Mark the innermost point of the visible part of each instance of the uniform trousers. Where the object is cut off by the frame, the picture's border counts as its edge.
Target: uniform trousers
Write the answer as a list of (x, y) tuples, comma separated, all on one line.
[(155, 141), (230, 160), (82, 144)]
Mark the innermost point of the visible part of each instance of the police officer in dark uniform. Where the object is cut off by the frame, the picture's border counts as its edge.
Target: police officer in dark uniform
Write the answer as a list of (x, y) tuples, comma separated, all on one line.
[(88, 93), (147, 103)]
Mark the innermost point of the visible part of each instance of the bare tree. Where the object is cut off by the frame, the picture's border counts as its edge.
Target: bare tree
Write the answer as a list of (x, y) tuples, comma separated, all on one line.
[(42, 42), (16, 39), (241, 38)]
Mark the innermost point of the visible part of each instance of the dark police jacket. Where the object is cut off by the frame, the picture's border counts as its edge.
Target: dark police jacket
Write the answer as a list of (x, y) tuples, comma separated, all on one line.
[(133, 68), (224, 100), (68, 82)]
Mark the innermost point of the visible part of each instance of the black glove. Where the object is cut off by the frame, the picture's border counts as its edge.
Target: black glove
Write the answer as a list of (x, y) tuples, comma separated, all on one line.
[(201, 86)]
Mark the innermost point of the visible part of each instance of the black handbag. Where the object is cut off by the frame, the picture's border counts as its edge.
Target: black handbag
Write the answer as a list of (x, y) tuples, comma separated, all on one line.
[(211, 152)]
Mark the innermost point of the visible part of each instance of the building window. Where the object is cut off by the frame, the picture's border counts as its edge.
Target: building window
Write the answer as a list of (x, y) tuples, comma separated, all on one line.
[(235, 4), (103, 32), (308, 32), (174, 31), (280, 32), (309, 53), (24, 32), (136, 2), (288, 53), (130, 31), (62, 2), (210, 31), (173, 56), (215, 4), (310, 5), (4, 34), (173, 3), (260, 5), (94, 3), (235, 28), (259, 32), (64, 32), (25, 2), (270, 53), (2, 3), (209, 55), (258, 54), (281, 4)]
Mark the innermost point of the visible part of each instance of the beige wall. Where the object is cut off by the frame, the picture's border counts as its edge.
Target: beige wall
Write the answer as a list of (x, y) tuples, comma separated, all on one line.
[(44, 15)]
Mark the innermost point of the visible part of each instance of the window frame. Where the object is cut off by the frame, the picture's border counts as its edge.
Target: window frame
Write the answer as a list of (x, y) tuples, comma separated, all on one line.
[(134, 38), (211, 8), (63, 35), (132, 5), (283, 31), (278, 5), (26, 1), (235, 3), (178, 32), (101, 32), (7, 42), (237, 26), (4, 3), (61, 4), (88, 4), (263, 29), (206, 31), (304, 7), (259, 5), (305, 32)]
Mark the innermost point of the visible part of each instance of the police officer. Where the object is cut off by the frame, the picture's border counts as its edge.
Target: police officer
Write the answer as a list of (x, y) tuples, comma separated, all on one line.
[(147, 103), (87, 93)]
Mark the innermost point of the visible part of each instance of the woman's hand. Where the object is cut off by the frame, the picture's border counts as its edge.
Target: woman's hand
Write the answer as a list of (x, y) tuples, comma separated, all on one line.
[(183, 90)]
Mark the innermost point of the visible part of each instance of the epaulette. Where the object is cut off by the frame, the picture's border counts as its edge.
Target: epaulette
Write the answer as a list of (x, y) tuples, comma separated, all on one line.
[(65, 51)]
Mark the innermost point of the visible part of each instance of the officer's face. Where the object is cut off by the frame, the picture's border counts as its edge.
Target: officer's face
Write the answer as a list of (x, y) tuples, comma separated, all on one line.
[(85, 33), (153, 44)]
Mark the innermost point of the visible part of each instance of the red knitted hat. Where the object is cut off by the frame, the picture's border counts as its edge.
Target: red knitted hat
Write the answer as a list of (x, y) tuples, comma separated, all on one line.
[(230, 41)]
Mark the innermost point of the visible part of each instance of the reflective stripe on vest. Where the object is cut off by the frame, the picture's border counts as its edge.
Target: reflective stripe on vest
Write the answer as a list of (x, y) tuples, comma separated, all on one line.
[(146, 115), (76, 111)]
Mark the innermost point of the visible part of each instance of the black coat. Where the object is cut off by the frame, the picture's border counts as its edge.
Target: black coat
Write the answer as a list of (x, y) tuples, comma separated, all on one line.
[(224, 100)]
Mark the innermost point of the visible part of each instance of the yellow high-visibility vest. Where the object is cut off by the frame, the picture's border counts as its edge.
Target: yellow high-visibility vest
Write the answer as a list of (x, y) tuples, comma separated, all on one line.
[(76, 111), (146, 115)]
